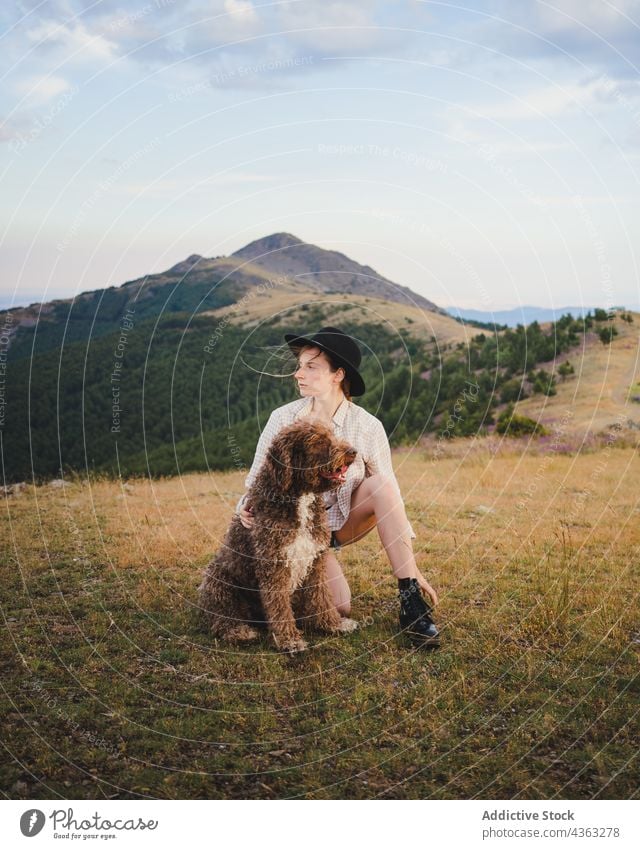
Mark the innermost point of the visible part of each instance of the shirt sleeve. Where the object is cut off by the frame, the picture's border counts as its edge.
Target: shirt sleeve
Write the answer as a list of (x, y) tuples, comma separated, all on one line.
[(378, 459), (270, 430)]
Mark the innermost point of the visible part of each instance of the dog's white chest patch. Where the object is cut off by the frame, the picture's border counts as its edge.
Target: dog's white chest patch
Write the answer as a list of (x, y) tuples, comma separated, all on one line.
[(302, 551)]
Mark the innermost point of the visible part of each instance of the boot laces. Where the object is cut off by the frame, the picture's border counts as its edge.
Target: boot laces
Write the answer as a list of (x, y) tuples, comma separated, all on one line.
[(414, 604)]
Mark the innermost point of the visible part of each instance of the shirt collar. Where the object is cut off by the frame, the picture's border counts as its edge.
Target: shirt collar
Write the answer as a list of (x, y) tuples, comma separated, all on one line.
[(338, 416), (341, 412)]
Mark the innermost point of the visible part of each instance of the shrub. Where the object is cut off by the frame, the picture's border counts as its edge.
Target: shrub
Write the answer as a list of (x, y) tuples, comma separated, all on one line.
[(543, 383), (566, 369), (511, 424), (512, 390), (607, 333)]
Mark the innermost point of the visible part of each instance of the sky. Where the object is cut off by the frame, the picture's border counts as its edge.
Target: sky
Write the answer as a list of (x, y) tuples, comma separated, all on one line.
[(485, 154)]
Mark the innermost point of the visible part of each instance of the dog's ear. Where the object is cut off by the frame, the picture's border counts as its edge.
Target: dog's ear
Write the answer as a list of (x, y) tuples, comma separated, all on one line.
[(281, 460)]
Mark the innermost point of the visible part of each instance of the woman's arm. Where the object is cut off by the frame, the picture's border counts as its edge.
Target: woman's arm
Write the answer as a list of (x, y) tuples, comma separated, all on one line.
[(378, 460)]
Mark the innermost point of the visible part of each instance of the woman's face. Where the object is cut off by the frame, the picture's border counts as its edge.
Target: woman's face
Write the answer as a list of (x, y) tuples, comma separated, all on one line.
[(314, 375)]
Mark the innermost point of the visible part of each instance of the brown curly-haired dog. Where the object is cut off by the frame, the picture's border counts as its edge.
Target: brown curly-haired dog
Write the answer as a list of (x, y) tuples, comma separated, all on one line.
[(274, 571)]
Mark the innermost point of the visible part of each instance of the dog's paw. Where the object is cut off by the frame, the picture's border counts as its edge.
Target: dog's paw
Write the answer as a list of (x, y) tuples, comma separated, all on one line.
[(347, 625), (242, 634), (292, 645)]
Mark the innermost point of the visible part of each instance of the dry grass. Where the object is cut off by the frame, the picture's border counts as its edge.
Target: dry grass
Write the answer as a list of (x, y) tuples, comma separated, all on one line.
[(113, 687), (283, 302), (599, 392)]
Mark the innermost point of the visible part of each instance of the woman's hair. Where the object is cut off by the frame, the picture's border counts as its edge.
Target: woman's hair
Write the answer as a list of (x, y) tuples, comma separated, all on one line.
[(344, 383)]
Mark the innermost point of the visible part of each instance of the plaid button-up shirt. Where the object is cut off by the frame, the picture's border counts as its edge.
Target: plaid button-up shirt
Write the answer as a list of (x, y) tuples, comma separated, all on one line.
[(355, 425)]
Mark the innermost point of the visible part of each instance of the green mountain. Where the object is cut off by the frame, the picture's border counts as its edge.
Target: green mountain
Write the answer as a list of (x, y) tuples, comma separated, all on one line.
[(156, 378), (196, 285)]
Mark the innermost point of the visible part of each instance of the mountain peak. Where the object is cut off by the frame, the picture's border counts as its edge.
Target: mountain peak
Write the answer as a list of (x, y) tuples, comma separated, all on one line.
[(186, 265), (274, 242), (324, 270)]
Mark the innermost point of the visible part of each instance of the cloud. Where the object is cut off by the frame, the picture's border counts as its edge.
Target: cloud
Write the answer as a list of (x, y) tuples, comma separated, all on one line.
[(593, 33), (599, 16), (158, 32), (332, 27), (43, 88), (73, 37), (548, 101), (218, 37), (11, 128), (241, 10), (223, 24)]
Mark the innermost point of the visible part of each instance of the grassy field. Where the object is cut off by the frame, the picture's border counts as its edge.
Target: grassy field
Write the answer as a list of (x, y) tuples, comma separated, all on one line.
[(113, 688), (602, 388)]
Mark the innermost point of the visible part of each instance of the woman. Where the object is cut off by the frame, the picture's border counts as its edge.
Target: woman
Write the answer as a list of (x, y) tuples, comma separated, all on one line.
[(327, 376)]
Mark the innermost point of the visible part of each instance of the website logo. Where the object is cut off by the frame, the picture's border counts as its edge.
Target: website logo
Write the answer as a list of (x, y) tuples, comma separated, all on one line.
[(32, 822)]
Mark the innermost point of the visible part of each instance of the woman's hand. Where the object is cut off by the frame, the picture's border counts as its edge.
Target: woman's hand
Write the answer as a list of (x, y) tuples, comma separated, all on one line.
[(426, 587), (246, 517)]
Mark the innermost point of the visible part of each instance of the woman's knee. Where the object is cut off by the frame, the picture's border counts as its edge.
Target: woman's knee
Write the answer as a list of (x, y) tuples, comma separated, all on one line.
[(381, 487)]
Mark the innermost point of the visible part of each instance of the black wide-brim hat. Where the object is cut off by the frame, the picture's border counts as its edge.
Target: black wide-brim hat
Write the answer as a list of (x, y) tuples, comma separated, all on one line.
[(342, 349)]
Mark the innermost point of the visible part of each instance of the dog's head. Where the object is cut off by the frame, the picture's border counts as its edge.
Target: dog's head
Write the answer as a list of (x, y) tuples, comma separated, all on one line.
[(308, 457)]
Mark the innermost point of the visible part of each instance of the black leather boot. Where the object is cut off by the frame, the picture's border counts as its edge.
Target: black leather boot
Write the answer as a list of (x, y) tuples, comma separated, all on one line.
[(415, 615)]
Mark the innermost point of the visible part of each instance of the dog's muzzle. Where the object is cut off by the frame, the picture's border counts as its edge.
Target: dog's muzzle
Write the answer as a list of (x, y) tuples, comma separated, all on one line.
[(339, 475)]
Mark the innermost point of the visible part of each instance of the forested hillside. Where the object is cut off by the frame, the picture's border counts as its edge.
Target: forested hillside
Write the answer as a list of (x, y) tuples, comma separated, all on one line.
[(156, 397)]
